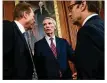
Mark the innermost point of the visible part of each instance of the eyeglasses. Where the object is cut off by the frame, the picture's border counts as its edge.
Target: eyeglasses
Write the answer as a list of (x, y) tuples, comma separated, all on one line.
[(71, 7)]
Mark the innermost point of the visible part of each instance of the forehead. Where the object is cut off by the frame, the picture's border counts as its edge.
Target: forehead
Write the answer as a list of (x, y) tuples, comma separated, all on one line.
[(72, 2), (31, 11), (47, 21)]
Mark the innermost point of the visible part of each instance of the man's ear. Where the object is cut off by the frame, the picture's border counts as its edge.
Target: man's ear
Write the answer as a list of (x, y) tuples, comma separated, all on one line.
[(55, 27), (83, 5), (25, 15)]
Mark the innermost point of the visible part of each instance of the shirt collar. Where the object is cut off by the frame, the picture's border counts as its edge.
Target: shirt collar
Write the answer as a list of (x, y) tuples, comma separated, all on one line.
[(48, 38), (20, 26), (88, 18)]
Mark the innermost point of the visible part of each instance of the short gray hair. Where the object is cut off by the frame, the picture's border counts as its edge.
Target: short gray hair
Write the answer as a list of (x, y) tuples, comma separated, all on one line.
[(54, 22)]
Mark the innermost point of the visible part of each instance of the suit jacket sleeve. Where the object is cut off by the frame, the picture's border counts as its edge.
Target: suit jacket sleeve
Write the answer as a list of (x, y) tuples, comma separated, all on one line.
[(8, 45), (39, 60), (70, 52)]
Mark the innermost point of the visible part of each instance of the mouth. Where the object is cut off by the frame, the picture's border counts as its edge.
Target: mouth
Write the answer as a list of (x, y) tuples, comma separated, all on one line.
[(47, 29)]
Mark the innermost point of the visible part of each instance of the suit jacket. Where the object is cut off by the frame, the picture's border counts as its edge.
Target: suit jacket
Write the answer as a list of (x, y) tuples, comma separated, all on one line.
[(7, 49), (20, 66), (47, 65), (90, 50)]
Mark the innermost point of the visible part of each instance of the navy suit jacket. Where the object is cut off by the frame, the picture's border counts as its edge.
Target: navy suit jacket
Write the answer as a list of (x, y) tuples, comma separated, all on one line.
[(47, 65), (90, 50), (19, 64)]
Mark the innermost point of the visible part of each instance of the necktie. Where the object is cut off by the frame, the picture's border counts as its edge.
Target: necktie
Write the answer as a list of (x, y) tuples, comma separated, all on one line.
[(27, 40), (34, 76), (53, 47)]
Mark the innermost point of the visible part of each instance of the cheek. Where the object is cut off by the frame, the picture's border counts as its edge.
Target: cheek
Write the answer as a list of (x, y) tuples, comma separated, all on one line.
[(44, 27), (31, 19), (52, 30), (73, 13)]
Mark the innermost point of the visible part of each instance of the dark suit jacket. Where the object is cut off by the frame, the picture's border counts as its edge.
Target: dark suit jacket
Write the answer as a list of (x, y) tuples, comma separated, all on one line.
[(90, 50), (20, 66), (47, 65), (7, 49)]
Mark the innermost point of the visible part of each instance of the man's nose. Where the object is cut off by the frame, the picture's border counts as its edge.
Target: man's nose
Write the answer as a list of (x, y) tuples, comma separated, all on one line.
[(47, 26), (34, 21), (70, 15)]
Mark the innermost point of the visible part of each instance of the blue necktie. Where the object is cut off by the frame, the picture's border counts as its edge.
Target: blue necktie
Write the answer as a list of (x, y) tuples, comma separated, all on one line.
[(27, 40), (34, 76)]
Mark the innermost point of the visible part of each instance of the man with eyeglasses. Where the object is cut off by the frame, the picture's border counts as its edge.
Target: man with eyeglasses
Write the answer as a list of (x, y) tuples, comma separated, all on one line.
[(89, 50)]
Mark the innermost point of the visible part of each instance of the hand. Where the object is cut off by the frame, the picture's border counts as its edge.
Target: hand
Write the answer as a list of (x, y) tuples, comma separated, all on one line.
[(74, 76)]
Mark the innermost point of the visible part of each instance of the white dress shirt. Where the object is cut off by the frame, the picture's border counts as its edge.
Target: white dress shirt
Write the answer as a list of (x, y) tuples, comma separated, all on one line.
[(49, 41), (20, 26)]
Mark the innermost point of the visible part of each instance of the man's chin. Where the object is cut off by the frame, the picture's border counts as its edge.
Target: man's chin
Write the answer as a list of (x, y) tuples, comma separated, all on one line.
[(29, 29), (76, 23), (48, 33)]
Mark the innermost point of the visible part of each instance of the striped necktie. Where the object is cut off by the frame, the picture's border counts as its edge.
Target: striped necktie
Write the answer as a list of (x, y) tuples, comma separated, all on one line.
[(53, 47)]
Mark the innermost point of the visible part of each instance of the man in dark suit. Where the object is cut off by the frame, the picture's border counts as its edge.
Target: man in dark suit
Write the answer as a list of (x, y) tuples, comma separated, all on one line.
[(17, 62), (90, 39), (51, 54)]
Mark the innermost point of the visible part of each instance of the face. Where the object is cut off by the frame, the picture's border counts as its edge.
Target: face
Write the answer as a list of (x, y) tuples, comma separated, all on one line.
[(30, 20), (40, 4), (74, 12), (49, 26)]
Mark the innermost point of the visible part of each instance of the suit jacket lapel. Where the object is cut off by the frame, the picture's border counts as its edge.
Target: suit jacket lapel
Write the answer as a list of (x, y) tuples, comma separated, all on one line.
[(58, 46), (21, 35), (45, 44), (47, 47)]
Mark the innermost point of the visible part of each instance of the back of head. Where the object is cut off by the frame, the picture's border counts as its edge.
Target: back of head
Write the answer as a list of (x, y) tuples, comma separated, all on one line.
[(93, 6), (20, 9)]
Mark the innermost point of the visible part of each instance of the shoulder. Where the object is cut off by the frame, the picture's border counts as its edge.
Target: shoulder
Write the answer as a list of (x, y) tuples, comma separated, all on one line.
[(95, 23), (40, 41), (93, 28), (7, 23), (61, 40), (7, 26)]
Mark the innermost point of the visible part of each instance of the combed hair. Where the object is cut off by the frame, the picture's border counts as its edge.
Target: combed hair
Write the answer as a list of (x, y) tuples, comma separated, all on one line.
[(93, 6), (54, 22), (20, 9)]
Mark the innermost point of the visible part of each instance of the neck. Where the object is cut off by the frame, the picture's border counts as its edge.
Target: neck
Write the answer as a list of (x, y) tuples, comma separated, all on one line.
[(85, 15), (50, 35), (22, 22)]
